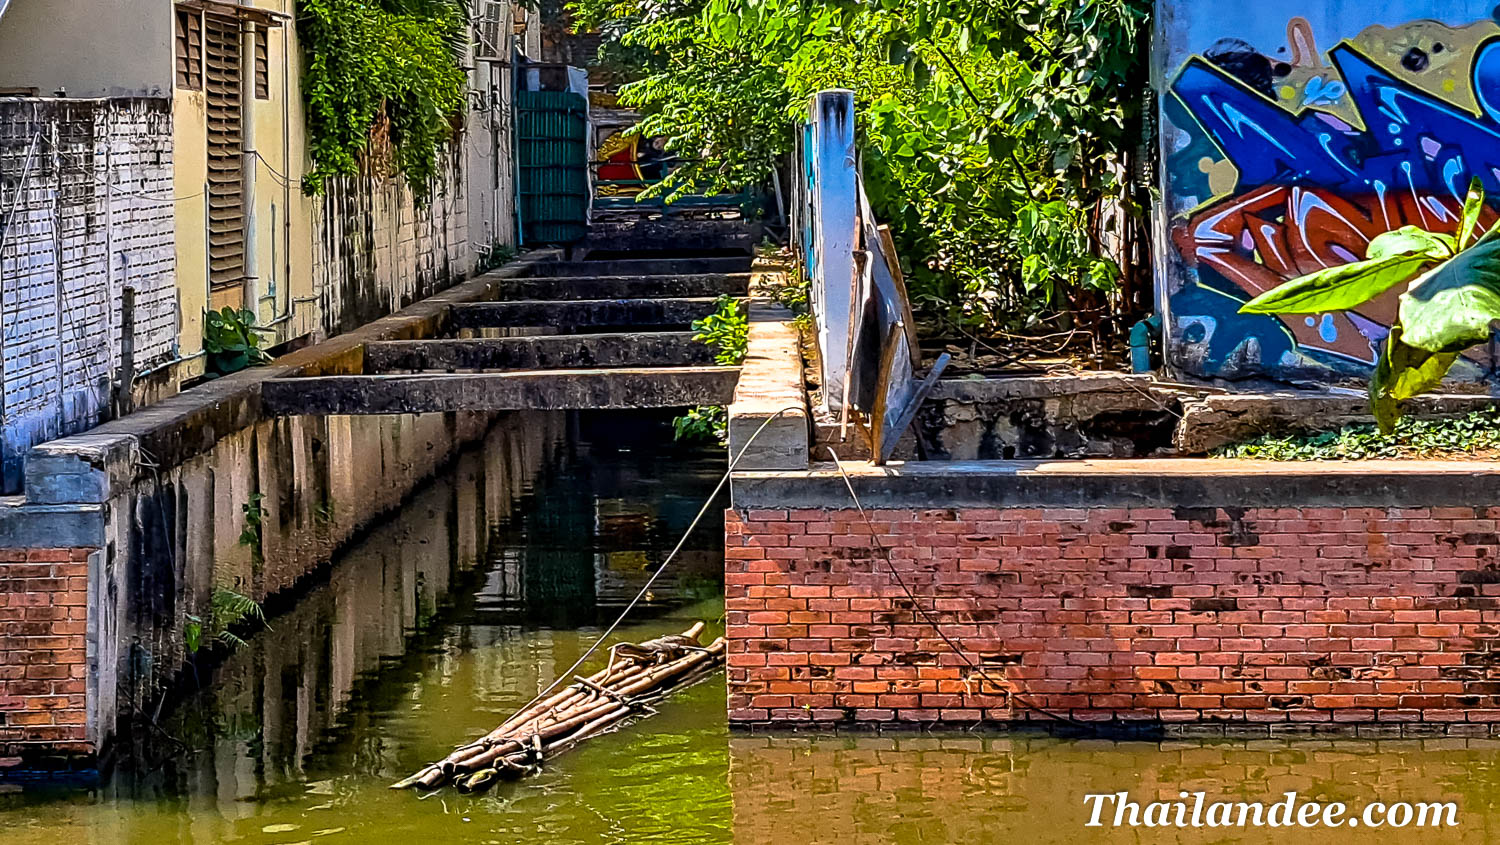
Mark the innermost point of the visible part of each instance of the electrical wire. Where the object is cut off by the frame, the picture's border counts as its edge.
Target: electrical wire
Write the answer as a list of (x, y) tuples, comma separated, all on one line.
[(645, 588), (931, 621)]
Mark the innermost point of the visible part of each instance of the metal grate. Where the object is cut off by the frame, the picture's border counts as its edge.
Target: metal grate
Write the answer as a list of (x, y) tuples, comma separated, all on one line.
[(226, 207), (189, 50), (491, 23)]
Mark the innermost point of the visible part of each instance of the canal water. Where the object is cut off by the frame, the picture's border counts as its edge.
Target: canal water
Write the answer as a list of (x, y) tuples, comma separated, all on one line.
[(499, 574)]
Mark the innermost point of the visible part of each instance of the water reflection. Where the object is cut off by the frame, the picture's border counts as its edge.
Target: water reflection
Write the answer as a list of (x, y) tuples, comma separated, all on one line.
[(495, 578)]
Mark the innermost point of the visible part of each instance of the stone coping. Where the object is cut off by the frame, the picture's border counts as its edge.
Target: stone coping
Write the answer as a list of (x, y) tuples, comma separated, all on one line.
[(1150, 482), (90, 467), (771, 383)]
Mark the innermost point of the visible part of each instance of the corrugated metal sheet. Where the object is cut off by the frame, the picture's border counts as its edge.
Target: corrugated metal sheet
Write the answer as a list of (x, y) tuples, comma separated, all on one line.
[(551, 136)]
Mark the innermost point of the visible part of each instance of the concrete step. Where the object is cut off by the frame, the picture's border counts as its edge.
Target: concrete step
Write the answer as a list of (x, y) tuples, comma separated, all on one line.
[(640, 267), (648, 387), (543, 352), (581, 313), (627, 287)]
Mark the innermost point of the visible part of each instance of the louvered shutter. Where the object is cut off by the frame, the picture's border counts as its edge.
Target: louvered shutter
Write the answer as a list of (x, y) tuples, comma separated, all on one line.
[(189, 50), (262, 65), (226, 208)]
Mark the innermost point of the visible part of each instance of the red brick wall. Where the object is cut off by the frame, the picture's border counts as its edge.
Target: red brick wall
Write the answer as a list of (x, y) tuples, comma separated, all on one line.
[(43, 594), (1263, 615)]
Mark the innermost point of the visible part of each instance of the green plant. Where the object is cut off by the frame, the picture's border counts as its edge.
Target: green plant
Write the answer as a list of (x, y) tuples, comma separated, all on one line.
[(1452, 297), (227, 609), (1476, 433), (381, 77), (705, 422), (997, 136), (250, 535), (231, 341), (727, 330), (497, 255)]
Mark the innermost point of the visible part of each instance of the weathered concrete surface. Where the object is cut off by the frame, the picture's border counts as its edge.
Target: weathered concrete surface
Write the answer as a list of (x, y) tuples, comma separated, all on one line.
[(1163, 483), (612, 232), (664, 387), (627, 287), (585, 313), (771, 383), (1215, 421), (642, 267), (541, 352), (1069, 416)]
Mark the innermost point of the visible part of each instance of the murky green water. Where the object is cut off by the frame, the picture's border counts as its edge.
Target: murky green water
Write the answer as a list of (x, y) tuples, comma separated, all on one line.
[(495, 578)]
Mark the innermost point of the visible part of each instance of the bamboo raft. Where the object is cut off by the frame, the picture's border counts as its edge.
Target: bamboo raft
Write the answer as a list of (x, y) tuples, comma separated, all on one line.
[(636, 676)]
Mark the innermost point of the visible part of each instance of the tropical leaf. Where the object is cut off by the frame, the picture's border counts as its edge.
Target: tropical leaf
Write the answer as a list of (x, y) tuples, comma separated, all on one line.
[(1473, 204), (1410, 240), (1337, 288), (1403, 372), (1452, 307)]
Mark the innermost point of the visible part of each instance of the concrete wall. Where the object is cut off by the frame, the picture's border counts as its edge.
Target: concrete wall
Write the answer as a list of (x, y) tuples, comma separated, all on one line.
[(1137, 593), (91, 215), (1283, 154), (122, 48)]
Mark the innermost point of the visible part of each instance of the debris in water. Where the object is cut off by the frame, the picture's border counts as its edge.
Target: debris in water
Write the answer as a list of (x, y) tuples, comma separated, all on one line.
[(637, 675)]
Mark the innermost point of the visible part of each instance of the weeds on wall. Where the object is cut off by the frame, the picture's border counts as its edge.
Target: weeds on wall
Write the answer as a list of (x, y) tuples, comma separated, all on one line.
[(727, 330), (227, 610), (231, 341), (382, 85), (1476, 434)]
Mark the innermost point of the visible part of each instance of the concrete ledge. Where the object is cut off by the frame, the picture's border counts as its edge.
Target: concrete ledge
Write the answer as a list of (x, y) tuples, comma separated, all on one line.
[(667, 387), (541, 352), (582, 313), (640, 267), (770, 381), (627, 287), (1041, 387), (29, 526), (180, 427), (1166, 483)]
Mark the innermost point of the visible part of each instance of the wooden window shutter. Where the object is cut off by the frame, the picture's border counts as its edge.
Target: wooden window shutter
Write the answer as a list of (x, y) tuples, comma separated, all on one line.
[(226, 207), (262, 65), (189, 50)]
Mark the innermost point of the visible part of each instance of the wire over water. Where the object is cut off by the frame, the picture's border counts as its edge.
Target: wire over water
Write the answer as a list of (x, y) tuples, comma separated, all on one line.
[(932, 622), (645, 588)]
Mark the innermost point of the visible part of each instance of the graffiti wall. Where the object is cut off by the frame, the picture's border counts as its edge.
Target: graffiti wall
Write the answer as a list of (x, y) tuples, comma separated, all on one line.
[(1292, 135)]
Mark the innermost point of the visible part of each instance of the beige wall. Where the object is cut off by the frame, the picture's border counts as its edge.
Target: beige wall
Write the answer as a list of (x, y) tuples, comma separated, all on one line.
[(114, 48), (363, 248)]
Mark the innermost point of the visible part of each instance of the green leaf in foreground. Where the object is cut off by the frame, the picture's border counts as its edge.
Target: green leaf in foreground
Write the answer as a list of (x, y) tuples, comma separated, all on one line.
[(1452, 307), (1473, 204), (1403, 372), (1337, 288)]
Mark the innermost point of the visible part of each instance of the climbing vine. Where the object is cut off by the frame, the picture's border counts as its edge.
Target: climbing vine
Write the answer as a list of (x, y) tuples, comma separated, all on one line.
[(382, 85)]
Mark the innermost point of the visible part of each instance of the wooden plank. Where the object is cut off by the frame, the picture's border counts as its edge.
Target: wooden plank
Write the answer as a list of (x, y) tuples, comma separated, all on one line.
[(582, 313), (543, 352), (665, 387)]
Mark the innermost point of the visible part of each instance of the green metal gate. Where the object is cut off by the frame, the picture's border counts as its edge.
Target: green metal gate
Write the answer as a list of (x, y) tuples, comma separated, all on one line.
[(552, 157)]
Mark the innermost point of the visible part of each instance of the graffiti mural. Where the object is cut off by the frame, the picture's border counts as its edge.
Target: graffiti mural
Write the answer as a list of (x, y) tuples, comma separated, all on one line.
[(1283, 158)]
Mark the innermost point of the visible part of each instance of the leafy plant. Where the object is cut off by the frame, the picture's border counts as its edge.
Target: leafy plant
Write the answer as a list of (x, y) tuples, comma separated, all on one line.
[(231, 341), (1452, 298), (227, 610), (1475, 433), (250, 535), (727, 330), (381, 77), (996, 136), (705, 422)]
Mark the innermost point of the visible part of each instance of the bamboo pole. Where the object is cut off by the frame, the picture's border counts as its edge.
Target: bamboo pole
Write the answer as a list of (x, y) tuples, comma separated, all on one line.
[(635, 675)]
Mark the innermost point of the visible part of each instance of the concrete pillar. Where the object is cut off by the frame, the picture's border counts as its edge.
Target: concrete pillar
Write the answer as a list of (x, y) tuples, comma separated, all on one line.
[(834, 193)]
